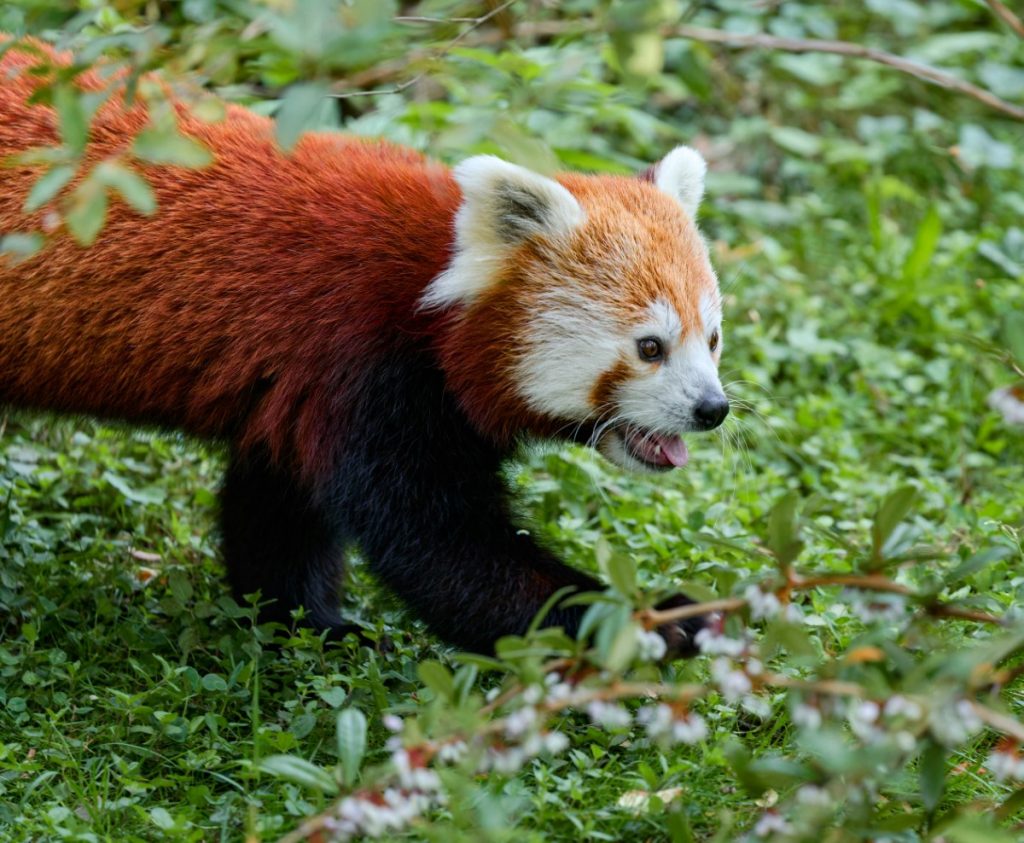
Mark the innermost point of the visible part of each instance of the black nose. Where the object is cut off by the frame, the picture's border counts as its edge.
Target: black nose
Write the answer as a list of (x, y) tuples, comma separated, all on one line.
[(711, 411)]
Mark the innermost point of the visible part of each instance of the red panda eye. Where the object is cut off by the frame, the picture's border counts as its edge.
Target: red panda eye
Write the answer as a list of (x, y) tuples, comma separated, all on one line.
[(713, 342), (650, 349)]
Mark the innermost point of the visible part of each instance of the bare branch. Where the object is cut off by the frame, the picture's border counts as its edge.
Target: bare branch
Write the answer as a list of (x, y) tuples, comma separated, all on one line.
[(1008, 17), (651, 618), (924, 72), (538, 29)]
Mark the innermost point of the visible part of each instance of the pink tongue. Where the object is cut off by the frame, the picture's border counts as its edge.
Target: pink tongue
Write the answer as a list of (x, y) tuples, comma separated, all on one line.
[(672, 450)]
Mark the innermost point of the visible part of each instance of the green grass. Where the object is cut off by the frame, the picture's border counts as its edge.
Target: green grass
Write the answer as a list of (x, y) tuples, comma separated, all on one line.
[(869, 240)]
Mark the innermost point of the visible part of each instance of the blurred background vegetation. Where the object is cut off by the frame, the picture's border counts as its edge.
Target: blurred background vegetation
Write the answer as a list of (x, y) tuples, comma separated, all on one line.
[(865, 206)]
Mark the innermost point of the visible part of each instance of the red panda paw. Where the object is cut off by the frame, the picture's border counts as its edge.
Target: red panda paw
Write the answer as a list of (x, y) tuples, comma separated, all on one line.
[(680, 636)]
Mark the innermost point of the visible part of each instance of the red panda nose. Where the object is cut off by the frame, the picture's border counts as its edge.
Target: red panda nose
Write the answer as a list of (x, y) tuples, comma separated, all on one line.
[(711, 411)]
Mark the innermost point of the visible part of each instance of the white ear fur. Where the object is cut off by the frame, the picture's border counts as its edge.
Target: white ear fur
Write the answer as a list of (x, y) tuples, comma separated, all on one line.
[(680, 174), (502, 205), (505, 203)]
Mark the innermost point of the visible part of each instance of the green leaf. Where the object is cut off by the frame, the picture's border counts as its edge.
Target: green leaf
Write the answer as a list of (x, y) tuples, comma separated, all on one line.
[(981, 559), (782, 537), (21, 245), (71, 117), (48, 186), (168, 146), (334, 697), (88, 210), (179, 585), (437, 677), (214, 682), (620, 570), (932, 773), (162, 818), (976, 828), (796, 141), (925, 241), (134, 189), (893, 510), (298, 110), (1012, 333), (351, 743), (300, 772), (678, 825)]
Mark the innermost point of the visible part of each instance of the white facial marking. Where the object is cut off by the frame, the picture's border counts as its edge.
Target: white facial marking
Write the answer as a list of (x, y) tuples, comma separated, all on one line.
[(571, 342), (503, 204), (664, 316), (711, 311), (680, 174)]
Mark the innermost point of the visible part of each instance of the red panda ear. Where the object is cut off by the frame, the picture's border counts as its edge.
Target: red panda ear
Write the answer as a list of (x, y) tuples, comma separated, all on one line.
[(680, 174), (502, 205), (508, 204)]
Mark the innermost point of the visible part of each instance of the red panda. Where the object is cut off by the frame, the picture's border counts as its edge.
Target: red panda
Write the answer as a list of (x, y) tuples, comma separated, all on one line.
[(372, 334)]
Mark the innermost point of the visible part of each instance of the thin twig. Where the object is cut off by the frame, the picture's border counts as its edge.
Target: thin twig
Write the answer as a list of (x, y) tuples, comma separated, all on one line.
[(917, 69), (945, 610), (1008, 17), (999, 722), (651, 618), (537, 29), (420, 19), (475, 24), (867, 582)]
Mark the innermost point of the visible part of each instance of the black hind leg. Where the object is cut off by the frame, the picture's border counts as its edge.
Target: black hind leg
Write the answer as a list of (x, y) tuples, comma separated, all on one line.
[(280, 540)]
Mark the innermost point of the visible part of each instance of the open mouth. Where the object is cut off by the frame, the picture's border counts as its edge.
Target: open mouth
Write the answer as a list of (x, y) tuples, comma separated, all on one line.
[(655, 450)]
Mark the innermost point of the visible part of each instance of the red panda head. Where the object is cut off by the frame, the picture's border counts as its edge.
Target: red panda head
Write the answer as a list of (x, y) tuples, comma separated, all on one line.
[(585, 307)]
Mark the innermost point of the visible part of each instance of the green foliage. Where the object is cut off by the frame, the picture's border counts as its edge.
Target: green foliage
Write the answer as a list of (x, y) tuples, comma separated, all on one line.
[(867, 230)]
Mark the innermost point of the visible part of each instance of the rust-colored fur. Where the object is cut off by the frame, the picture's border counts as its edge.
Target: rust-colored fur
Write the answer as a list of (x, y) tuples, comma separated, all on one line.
[(276, 302)]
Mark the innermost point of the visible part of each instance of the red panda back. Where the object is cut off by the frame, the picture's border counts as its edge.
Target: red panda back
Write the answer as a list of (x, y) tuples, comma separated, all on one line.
[(244, 300)]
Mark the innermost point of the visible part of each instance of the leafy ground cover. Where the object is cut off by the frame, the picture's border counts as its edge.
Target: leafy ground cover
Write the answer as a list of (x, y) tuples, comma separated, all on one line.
[(864, 503)]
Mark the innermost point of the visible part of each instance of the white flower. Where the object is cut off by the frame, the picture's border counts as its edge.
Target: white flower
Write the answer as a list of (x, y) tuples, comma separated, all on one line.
[(609, 715), (1005, 765), (452, 753), (863, 717), (771, 823), (806, 716), (712, 644), (651, 647), (690, 729), (1009, 403), (877, 608), (508, 761), (555, 742), (532, 695), (793, 614), (662, 723), (953, 723), (758, 706), (814, 797), (518, 723), (392, 722), (763, 604), (656, 719), (557, 689), (900, 706), (733, 684)]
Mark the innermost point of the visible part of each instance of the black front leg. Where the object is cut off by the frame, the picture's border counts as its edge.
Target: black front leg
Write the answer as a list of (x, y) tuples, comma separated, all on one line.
[(282, 539), (423, 494)]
